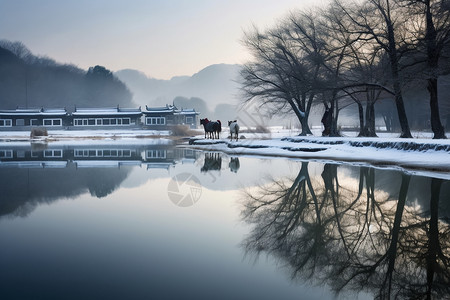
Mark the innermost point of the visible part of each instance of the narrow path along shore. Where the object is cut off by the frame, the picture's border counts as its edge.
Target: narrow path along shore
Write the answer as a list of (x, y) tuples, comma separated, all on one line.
[(424, 155)]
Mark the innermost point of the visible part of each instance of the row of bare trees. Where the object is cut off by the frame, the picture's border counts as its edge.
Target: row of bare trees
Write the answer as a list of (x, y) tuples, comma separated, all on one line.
[(350, 52)]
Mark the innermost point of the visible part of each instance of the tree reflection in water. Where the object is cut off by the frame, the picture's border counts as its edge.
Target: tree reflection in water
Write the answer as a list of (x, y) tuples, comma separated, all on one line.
[(352, 236)]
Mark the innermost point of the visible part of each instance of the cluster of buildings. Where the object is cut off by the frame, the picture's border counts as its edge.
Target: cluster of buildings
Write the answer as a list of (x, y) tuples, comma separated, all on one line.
[(152, 118)]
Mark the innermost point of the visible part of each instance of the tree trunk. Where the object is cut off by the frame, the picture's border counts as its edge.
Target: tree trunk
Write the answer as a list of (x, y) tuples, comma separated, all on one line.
[(388, 123), (370, 119), (436, 125), (302, 117), (362, 128), (305, 127), (433, 60), (403, 119), (335, 112)]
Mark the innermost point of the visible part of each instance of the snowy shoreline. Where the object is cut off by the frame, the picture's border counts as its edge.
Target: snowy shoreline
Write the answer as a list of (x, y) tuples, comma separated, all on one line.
[(412, 155), (419, 155)]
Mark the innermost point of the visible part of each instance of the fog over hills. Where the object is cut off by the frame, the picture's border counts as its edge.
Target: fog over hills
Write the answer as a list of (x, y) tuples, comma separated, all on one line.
[(214, 90)]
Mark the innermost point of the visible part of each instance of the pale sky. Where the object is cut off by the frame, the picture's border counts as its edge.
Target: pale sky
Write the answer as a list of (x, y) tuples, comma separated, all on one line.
[(162, 38)]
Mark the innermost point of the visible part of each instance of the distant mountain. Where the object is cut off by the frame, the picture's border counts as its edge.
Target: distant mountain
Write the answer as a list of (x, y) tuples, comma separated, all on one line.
[(215, 84), (213, 91)]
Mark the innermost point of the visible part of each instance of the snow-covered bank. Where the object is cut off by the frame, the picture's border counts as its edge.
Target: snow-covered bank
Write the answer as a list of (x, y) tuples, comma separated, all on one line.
[(418, 154), (424, 155)]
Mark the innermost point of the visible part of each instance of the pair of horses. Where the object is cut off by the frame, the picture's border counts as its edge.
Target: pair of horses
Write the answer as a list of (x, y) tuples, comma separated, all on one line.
[(213, 128)]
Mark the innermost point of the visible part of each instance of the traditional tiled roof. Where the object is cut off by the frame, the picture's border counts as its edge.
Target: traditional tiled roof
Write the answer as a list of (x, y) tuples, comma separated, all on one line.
[(185, 111), (163, 109), (96, 111), (170, 109), (33, 112), (54, 111), (106, 111)]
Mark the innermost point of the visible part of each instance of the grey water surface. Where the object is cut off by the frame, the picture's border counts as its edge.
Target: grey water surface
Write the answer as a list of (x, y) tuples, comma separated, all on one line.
[(160, 222)]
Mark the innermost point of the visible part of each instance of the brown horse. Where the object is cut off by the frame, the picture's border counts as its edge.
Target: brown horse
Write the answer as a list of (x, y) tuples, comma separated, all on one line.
[(212, 129)]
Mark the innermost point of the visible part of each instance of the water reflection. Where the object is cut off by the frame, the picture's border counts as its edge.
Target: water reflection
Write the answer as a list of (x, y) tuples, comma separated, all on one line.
[(212, 162), (41, 174), (234, 164), (354, 231), (354, 228)]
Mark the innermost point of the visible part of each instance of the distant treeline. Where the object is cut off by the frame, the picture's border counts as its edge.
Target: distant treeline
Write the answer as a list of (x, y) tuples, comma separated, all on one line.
[(30, 81)]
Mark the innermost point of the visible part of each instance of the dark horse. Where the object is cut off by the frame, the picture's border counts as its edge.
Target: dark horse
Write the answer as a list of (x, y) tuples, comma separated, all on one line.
[(213, 129)]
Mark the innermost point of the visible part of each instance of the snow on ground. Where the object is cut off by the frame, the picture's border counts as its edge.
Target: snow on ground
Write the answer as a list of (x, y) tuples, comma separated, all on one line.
[(420, 154)]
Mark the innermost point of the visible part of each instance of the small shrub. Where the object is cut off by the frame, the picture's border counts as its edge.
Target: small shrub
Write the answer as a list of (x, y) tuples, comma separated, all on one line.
[(182, 130), (38, 131)]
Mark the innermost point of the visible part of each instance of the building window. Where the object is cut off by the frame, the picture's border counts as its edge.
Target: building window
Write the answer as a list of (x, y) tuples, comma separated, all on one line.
[(81, 153), (53, 153), (52, 122), (102, 122), (103, 153), (189, 120), (5, 122), (20, 122), (34, 122), (6, 154), (155, 121), (156, 154)]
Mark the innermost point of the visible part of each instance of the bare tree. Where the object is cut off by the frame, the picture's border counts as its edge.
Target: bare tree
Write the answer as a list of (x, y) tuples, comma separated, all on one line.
[(380, 25), (285, 71), (433, 35), (357, 71)]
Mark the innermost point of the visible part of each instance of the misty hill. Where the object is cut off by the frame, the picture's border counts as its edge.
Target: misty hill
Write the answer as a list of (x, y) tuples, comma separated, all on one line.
[(213, 91), (215, 84), (30, 81)]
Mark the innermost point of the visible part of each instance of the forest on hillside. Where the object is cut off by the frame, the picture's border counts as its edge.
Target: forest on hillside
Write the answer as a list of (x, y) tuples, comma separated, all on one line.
[(30, 81)]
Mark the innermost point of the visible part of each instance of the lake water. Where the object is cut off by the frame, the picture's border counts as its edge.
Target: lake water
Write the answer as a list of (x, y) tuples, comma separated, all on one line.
[(115, 221)]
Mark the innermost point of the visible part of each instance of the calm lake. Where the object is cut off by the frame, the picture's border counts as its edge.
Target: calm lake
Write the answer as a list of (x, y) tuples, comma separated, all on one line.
[(153, 221)]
